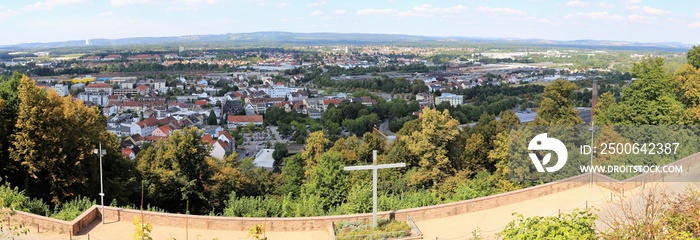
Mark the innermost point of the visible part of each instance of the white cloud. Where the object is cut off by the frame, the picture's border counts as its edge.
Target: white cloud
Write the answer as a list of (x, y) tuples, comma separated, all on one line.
[(577, 3), (339, 12), (636, 18), (697, 15), (128, 2), (371, 11), (604, 15), (424, 10), (505, 11), (283, 5), (261, 3), (6, 13), (105, 14), (695, 25), (632, 7), (651, 10), (427, 10), (605, 5), (284, 20), (316, 4), (633, 1), (316, 13), (200, 2), (180, 9), (48, 4)]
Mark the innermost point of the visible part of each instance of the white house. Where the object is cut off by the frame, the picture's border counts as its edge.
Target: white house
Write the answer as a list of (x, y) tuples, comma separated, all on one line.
[(145, 127), (218, 150), (61, 89), (453, 99)]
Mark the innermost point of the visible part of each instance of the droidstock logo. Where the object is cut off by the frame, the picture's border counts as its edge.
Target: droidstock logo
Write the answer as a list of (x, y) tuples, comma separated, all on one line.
[(543, 143)]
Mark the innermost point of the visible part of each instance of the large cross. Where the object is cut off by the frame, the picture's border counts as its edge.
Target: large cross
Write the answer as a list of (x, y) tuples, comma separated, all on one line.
[(374, 168)]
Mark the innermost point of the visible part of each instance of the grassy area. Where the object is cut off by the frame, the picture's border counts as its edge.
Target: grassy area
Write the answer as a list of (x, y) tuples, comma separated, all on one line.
[(386, 229)]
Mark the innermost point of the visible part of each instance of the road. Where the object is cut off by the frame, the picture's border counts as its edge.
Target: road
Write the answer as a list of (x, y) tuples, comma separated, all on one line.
[(384, 127)]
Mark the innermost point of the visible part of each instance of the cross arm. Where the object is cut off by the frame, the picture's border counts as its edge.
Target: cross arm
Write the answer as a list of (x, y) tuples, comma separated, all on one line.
[(370, 167)]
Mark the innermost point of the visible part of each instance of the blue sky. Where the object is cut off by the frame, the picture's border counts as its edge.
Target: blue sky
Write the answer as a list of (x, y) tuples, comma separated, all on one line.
[(625, 20)]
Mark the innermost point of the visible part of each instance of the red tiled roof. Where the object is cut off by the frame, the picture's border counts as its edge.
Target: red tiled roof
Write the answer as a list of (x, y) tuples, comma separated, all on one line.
[(142, 87), (207, 138), (99, 85), (222, 143), (127, 152), (151, 121), (165, 129), (245, 118), (200, 102), (226, 134)]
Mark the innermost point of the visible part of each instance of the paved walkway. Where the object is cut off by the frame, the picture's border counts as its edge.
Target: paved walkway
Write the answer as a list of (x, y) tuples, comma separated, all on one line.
[(492, 221)]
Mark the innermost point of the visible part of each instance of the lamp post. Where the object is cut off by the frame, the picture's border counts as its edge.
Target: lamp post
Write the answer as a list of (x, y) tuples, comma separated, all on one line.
[(102, 190)]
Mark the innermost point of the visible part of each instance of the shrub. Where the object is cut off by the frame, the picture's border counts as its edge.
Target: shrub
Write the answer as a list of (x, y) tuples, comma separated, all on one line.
[(71, 209)]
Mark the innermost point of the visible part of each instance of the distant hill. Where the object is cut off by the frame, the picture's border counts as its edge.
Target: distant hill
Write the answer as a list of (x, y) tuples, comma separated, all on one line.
[(325, 38)]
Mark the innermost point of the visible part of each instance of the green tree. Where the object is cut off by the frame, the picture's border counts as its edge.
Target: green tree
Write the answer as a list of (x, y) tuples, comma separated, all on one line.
[(694, 56), (688, 80), (279, 154), (328, 181), (650, 100), (212, 118), (557, 106), (292, 176), (50, 142), (370, 142), (430, 145), (176, 170), (8, 118), (347, 147), (314, 148)]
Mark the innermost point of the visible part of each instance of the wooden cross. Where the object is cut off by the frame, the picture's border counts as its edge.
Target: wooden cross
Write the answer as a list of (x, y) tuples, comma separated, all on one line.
[(374, 167)]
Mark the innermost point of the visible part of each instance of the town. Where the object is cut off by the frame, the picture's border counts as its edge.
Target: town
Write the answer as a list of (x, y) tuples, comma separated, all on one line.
[(143, 108)]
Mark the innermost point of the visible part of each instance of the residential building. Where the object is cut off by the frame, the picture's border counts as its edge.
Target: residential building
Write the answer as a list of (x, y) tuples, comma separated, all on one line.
[(99, 88), (232, 107), (235, 121), (159, 85), (213, 130), (61, 90), (145, 127), (314, 113), (163, 131), (218, 149), (277, 91), (328, 102), (127, 84), (142, 89), (99, 98), (426, 99), (128, 152), (453, 99), (129, 91), (112, 57), (226, 137)]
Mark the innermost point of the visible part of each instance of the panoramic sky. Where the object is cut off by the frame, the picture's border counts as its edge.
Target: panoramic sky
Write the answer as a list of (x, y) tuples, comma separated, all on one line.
[(625, 20)]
